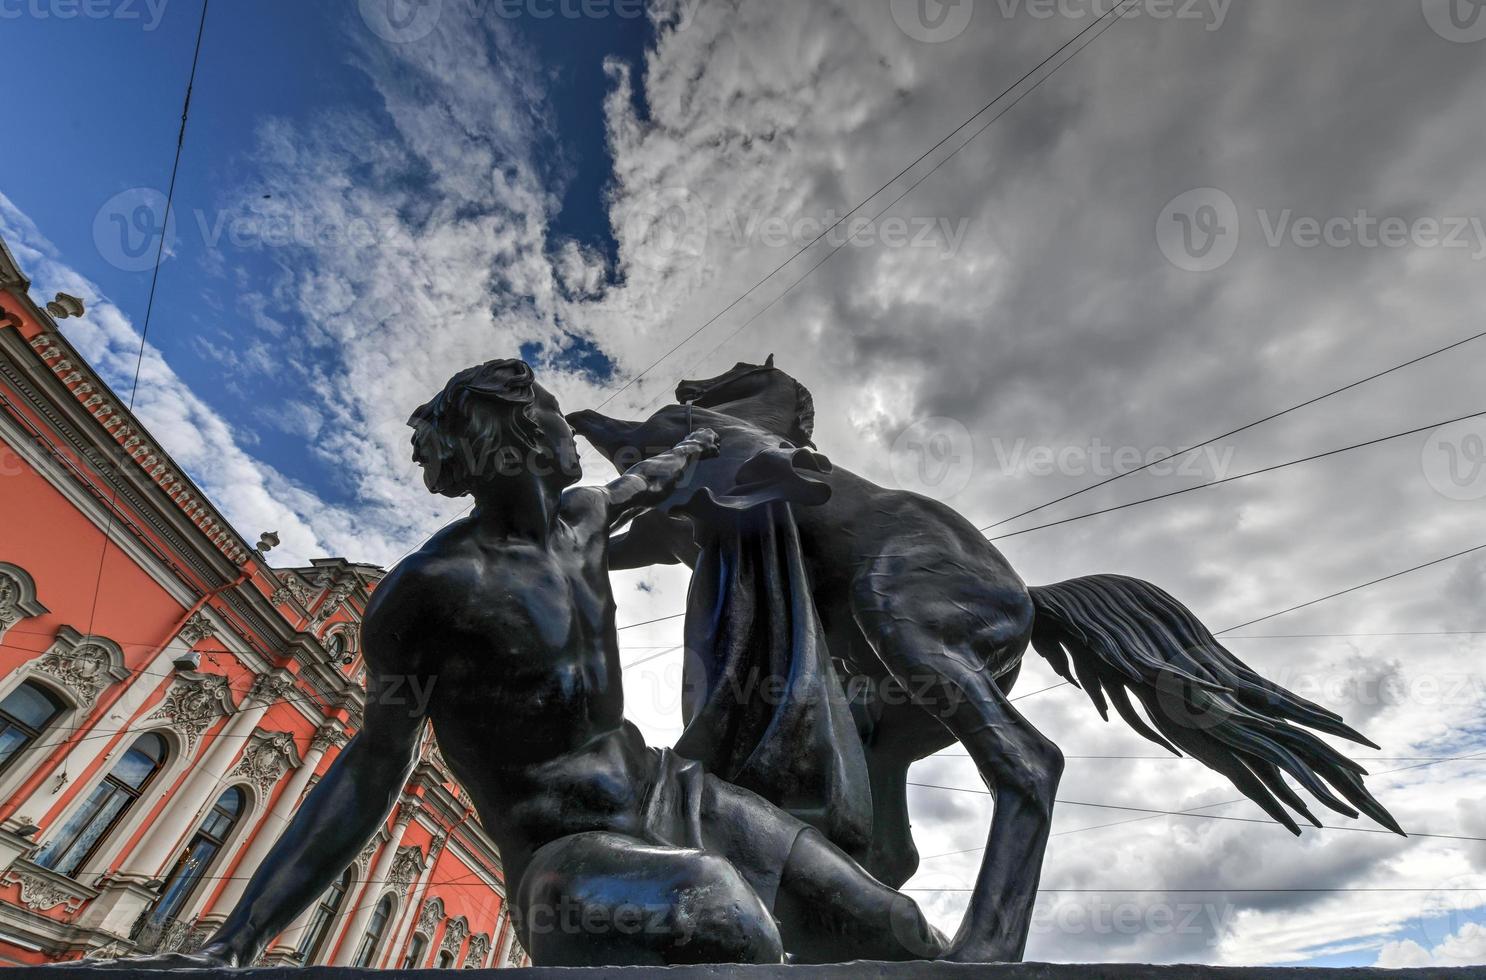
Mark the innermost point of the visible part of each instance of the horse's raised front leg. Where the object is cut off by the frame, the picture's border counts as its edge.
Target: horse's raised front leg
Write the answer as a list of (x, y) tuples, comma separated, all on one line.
[(652, 539), (895, 734), (920, 629)]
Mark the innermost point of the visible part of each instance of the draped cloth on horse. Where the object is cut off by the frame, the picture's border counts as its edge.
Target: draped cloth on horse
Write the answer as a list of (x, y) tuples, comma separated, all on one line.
[(763, 706)]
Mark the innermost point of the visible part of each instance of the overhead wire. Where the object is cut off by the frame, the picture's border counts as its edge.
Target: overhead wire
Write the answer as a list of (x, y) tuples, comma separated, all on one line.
[(1112, 12)]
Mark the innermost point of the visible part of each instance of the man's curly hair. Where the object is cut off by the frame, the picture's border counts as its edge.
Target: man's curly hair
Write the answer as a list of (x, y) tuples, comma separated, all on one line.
[(481, 423)]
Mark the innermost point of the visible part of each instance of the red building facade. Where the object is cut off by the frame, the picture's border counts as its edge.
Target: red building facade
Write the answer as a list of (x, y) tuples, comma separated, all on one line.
[(167, 698)]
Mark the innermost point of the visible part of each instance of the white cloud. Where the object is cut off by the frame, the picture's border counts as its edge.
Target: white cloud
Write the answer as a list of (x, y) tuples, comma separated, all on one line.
[(1466, 947), (253, 496)]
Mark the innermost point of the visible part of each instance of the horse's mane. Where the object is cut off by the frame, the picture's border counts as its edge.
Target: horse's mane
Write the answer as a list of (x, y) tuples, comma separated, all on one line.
[(804, 423), (798, 430), (804, 427)]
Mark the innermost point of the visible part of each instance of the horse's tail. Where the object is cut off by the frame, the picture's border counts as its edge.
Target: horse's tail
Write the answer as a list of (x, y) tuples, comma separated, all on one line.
[(1124, 636)]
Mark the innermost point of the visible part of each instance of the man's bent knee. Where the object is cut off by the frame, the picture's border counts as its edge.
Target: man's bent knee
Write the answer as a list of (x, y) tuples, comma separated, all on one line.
[(605, 899)]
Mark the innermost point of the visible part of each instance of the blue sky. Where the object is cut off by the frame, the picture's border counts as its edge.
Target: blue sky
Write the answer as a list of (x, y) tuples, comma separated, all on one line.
[(111, 107), (590, 191)]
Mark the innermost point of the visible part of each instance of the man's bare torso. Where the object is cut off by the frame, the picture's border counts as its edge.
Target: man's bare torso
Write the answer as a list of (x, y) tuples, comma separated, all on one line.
[(517, 641)]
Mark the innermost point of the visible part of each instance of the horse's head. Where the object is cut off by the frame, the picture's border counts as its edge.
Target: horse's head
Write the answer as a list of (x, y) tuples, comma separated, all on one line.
[(742, 380), (759, 393)]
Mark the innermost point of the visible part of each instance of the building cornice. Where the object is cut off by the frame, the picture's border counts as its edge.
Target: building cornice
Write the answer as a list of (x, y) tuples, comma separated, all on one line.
[(11, 276), (127, 439), (178, 543)]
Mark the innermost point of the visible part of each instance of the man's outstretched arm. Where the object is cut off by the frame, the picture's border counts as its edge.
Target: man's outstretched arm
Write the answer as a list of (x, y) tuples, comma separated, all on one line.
[(337, 818), (343, 811), (649, 482), (347, 807)]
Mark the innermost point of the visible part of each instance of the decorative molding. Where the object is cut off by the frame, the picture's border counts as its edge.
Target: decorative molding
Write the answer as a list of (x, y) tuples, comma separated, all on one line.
[(193, 704), (66, 305), (197, 628), (429, 918), (85, 665), (269, 688), (294, 588), (328, 738), (352, 634), (197, 937), (17, 597), (152, 460), (407, 808), (110, 950), (454, 935), (338, 594), (42, 890), (436, 757), (182, 936), (268, 756), (405, 867), (11, 274), (515, 952), (365, 857), (479, 950)]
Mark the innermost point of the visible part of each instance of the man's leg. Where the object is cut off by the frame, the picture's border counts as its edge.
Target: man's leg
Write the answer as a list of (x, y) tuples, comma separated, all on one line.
[(830, 910), (601, 899)]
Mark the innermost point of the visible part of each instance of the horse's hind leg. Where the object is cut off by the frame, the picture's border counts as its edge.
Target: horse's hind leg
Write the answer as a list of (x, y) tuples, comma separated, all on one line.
[(920, 637)]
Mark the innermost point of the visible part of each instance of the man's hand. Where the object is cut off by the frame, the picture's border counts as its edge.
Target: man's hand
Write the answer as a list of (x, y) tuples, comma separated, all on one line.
[(703, 442)]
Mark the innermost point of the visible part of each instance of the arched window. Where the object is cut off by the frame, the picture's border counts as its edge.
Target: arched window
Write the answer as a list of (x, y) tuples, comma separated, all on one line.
[(335, 646), (445, 961), (416, 950), (109, 801), (367, 951), (24, 715), (192, 866), (317, 933)]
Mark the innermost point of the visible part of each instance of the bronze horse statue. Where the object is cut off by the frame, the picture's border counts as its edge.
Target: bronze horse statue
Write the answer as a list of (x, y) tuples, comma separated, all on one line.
[(926, 623)]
